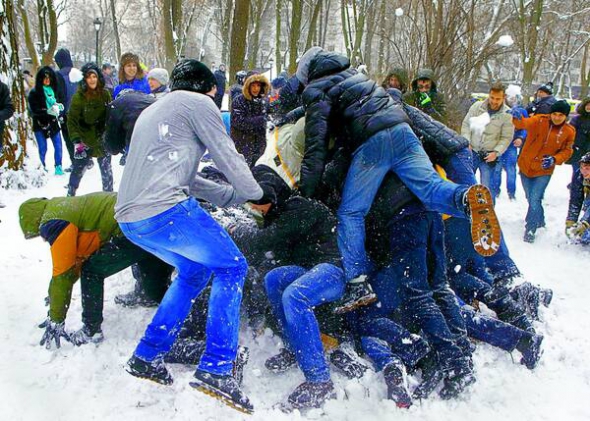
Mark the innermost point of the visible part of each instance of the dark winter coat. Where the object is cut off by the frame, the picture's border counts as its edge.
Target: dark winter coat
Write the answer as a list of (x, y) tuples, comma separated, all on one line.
[(6, 108), (343, 104), (248, 120), (541, 105), (289, 105), (42, 121), (579, 199), (234, 91), (87, 116), (581, 123), (439, 141), (437, 107), (221, 81), (65, 64)]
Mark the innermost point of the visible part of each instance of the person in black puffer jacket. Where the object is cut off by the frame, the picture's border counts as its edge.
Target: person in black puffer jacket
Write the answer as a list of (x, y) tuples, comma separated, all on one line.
[(248, 118), (581, 123), (365, 121)]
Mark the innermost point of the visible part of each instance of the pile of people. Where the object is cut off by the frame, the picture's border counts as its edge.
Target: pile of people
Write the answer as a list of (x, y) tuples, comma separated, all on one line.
[(363, 227)]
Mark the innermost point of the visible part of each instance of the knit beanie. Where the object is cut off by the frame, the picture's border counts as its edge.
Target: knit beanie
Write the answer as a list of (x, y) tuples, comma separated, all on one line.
[(561, 106), (547, 88), (192, 75), (159, 74)]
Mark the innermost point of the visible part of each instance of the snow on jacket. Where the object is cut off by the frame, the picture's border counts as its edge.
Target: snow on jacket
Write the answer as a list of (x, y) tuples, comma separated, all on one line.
[(437, 107), (543, 138), (248, 120), (339, 102), (122, 113), (581, 122), (289, 104), (135, 84), (497, 134), (42, 121), (87, 117), (541, 105), (6, 108), (167, 144), (75, 228)]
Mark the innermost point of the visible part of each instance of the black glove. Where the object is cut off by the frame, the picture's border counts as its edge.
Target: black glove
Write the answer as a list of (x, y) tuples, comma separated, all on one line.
[(53, 332), (268, 196), (547, 162)]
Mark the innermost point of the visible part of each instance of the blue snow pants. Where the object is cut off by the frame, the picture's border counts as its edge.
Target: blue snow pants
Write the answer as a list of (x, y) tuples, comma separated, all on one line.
[(293, 292), (396, 149), (188, 238)]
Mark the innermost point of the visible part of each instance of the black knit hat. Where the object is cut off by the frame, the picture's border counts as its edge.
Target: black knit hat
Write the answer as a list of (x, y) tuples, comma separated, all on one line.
[(547, 88), (561, 106), (585, 159), (192, 75), (91, 68)]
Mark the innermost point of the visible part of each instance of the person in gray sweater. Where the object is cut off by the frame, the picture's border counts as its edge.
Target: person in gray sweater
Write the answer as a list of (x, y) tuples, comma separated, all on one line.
[(157, 209)]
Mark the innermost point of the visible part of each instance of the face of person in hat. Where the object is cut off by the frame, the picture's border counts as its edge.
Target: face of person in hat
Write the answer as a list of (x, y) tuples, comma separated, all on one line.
[(541, 94), (558, 118), (255, 88), (130, 70), (91, 80), (154, 83), (585, 170)]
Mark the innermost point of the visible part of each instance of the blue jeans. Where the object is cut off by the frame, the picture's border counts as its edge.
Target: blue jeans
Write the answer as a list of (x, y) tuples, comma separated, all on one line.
[(42, 144), (508, 164), (416, 283), (534, 189), (491, 331), (293, 292), (486, 172), (396, 149), (459, 167), (188, 238)]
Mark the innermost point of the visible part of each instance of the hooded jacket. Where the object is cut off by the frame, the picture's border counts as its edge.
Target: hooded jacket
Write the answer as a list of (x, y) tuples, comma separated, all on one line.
[(221, 81), (42, 121), (87, 116), (339, 102), (63, 59), (541, 105), (437, 107), (579, 199), (402, 77), (581, 123), (543, 138), (248, 120), (497, 134), (6, 108), (75, 228)]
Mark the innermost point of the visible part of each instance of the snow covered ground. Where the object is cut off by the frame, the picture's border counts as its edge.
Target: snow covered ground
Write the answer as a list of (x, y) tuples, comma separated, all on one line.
[(90, 383)]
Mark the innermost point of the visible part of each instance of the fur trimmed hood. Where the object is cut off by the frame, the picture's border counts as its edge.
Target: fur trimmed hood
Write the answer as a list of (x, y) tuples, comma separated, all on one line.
[(256, 78)]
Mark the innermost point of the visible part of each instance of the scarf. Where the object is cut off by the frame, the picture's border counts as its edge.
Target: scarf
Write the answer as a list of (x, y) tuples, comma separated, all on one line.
[(49, 96)]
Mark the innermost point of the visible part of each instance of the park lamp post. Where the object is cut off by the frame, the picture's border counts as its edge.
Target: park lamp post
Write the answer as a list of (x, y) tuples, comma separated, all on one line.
[(97, 24)]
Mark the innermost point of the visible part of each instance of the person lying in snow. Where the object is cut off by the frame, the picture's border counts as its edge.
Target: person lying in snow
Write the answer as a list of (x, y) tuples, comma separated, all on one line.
[(86, 243)]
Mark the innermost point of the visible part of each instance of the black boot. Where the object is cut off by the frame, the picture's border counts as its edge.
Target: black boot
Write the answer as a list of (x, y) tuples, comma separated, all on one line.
[(530, 348), (397, 388), (311, 395), (457, 380), (185, 351), (432, 375), (358, 293), (86, 335), (281, 362), (223, 388), (136, 298), (347, 365), (155, 371)]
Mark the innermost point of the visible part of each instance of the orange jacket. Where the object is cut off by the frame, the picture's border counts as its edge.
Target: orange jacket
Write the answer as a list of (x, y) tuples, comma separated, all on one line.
[(543, 138)]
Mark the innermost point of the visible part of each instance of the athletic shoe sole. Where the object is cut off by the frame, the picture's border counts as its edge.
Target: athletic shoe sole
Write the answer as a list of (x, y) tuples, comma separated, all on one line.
[(485, 228), (220, 396), (365, 301)]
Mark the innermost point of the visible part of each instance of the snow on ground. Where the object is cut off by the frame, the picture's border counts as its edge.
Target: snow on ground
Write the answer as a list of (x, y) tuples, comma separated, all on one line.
[(89, 383)]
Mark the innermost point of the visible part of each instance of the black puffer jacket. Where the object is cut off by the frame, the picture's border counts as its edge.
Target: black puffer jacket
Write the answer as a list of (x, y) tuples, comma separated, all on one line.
[(339, 102), (541, 105), (289, 105), (439, 141), (42, 121), (582, 124), (122, 113), (6, 108)]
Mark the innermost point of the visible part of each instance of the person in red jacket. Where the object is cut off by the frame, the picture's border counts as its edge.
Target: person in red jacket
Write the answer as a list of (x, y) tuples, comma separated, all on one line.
[(549, 143)]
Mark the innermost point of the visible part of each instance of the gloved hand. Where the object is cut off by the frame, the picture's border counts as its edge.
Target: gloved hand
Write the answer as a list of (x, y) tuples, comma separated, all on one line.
[(54, 110), (547, 162), (268, 196), (53, 332), (568, 225), (80, 150), (578, 229), (516, 113), (424, 99)]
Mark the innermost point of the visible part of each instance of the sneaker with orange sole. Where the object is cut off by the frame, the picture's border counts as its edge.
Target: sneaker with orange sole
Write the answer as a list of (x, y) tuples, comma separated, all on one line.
[(485, 228)]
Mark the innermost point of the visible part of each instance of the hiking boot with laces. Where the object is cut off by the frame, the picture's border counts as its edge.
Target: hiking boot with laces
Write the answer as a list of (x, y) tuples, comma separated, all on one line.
[(397, 385), (530, 348), (358, 293), (86, 335), (281, 362), (311, 395), (224, 388), (155, 370)]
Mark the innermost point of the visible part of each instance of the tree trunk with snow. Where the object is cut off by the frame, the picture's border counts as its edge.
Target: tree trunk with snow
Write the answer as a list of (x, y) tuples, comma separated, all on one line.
[(239, 32)]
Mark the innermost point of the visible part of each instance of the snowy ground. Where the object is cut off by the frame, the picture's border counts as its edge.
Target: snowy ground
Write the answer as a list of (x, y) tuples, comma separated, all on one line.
[(90, 383)]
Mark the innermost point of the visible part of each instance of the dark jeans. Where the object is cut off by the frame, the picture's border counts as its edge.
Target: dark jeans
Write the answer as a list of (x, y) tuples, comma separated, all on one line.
[(508, 164), (534, 189), (65, 132), (81, 165), (293, 293), (111, 258), (486, 172), (416, 283), (491, 331)]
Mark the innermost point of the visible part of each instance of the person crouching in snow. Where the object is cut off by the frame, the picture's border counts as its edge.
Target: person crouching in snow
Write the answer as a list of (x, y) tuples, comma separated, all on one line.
[(249, 117), (85, 242), (549, 143), (579, 230), (368, 125), (157, 210)]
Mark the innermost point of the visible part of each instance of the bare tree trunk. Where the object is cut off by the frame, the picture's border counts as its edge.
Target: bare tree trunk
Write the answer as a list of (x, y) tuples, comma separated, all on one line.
[(115, 28), (51, 41), (30, 44), (171, 25), (278, 20), (382, 38), (229, 5), (313, 23), (239, 32), (294, 34)]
